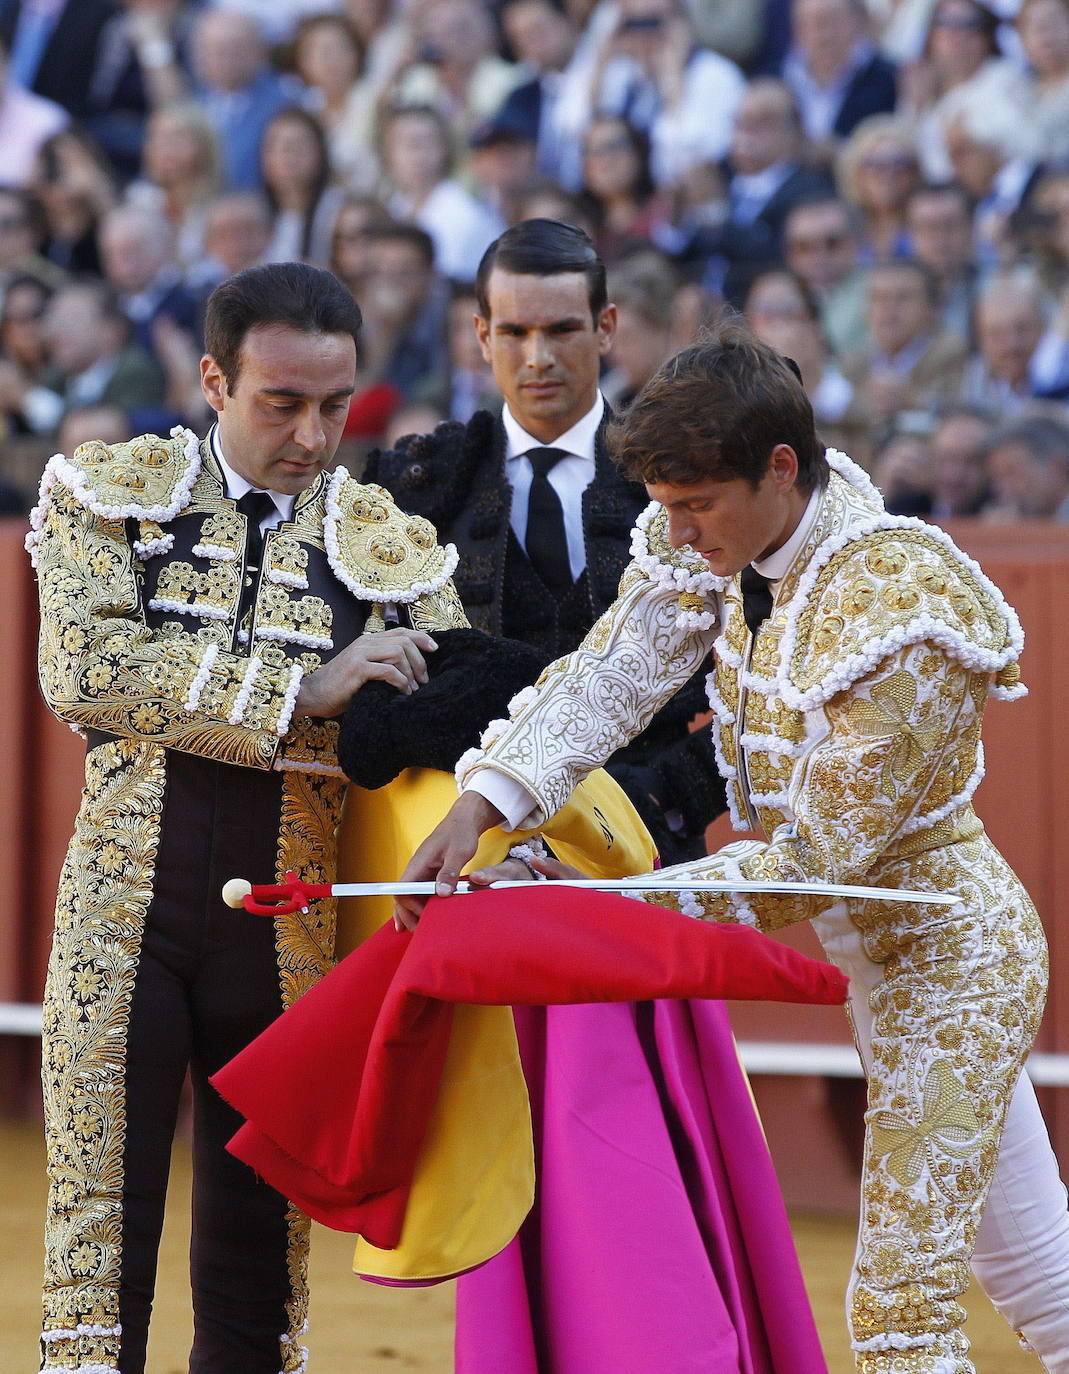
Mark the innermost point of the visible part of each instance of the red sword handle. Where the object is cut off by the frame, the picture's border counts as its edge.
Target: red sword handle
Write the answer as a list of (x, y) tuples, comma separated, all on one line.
[(280, 899)]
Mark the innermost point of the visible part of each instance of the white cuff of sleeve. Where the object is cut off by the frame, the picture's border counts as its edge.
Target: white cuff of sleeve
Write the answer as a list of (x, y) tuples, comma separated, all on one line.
[(511, 798)]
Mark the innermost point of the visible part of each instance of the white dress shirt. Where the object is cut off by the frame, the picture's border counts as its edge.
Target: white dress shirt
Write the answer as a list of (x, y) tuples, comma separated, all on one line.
[(569, 477)]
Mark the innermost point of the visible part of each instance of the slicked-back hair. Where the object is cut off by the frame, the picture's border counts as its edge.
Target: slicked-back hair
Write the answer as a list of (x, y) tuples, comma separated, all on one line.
[(544, 248), (715, 411), (292, 295)]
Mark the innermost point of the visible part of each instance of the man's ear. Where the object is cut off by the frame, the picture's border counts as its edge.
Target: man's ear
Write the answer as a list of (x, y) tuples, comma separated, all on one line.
[(606, 329), (213, 383), (783, 465), (482, 333)]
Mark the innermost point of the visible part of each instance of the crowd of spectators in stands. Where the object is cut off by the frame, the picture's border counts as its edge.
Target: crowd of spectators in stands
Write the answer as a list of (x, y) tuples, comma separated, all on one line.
[(880, 186)]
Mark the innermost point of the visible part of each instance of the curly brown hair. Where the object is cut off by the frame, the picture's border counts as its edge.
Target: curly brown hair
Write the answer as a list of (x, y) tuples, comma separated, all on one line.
[(717, 410)]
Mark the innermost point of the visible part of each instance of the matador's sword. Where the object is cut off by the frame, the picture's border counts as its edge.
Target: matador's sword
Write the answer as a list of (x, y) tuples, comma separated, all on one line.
[(279, 899)]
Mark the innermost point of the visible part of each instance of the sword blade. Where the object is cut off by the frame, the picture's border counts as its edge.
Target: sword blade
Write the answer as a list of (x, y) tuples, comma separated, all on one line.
[(649, 882)]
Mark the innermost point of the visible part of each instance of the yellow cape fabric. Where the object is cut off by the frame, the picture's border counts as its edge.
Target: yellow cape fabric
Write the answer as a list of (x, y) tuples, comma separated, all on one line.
[(474, 1183)]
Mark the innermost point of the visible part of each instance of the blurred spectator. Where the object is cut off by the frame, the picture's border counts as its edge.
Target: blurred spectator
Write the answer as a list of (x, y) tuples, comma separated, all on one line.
[(618, 184), (643, 290), (550, 200), (902, 469), (913, 364), (90, 362), (502, 164), (994, 152), (694, 310), (21, 239), (142, 66), (350, 241), (180, 175), (417, 158), (76, 187), (23, 351), (84, 423), (1028, 462), (543, 38), (961, 62), (296, 174), (237, 231), (877, 173), (783, 312), (54, 48), (328, 56), (820, 245), (1019, 358), (1043, 28), (26, 120), (137, 252), (454, 66), (766, 178), (471, 380), (960, 484), (239, 87), (835, 71), (405, 306), (939, 223), (651, 71)]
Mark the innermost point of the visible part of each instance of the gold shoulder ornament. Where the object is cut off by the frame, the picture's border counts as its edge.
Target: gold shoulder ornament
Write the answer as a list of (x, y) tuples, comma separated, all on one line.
[(680, 570), (147, 479), (872, 590), (378, 552)]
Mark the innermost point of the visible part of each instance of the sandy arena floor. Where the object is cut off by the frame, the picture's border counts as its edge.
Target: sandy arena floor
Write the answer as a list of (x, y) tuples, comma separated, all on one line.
[(361, 1328)]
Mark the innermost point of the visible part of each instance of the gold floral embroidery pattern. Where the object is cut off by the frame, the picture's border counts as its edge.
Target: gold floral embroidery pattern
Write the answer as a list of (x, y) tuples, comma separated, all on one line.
[(440, 610), (104, 893)]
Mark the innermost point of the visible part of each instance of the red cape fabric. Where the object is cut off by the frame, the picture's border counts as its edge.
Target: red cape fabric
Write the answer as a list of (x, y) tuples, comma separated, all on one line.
[(339, 1090)]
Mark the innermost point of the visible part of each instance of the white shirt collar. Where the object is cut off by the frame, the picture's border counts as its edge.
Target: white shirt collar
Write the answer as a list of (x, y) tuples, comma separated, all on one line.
[(578, 440), (237, 486), (776, 564)]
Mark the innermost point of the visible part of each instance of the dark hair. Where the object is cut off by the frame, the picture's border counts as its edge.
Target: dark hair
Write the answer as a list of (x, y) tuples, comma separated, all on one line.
[(397, 231), (326, 19), (643, 186), (544, 248), (293, 295), (716, 410), (294, 114)]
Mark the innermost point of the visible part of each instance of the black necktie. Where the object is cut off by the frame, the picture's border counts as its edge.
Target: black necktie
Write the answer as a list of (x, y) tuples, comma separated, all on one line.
[(545, 541), (255, 506), (756, 597)]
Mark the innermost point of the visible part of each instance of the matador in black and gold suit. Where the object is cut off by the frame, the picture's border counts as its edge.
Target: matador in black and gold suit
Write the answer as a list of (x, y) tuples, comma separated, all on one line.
[(456, 478), (194, 765)]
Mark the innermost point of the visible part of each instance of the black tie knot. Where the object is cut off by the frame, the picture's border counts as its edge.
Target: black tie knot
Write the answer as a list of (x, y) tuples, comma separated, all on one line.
[(756, 597), (256, 506), (543, 459)]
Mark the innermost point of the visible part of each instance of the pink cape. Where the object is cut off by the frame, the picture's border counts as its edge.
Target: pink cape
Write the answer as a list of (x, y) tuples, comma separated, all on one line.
[(658, 1243)]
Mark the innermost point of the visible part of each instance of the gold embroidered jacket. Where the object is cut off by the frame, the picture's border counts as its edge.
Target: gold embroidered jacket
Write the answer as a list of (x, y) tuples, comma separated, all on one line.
[(141, 560)]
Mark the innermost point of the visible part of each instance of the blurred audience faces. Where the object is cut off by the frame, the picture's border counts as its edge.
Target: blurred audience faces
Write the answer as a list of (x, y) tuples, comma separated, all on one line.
[(1028, 463), (960, 484)]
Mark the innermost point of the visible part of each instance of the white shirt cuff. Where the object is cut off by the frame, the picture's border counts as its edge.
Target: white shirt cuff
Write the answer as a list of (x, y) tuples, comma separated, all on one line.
[(510, 797)]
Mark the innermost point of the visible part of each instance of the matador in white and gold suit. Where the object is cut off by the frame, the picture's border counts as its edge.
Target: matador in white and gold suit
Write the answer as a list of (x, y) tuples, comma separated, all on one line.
[(848, 729)]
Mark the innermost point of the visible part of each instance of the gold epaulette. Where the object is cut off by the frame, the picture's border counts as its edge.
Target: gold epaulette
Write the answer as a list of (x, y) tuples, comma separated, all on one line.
[(868, 596), (380, 553), (147, 478)]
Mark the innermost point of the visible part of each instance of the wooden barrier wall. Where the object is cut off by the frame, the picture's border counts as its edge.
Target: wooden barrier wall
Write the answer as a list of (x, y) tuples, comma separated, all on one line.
[(1024, 800)]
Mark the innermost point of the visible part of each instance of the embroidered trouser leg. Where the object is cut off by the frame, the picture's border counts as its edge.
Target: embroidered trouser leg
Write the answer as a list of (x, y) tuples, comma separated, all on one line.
[(942, 1044)]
